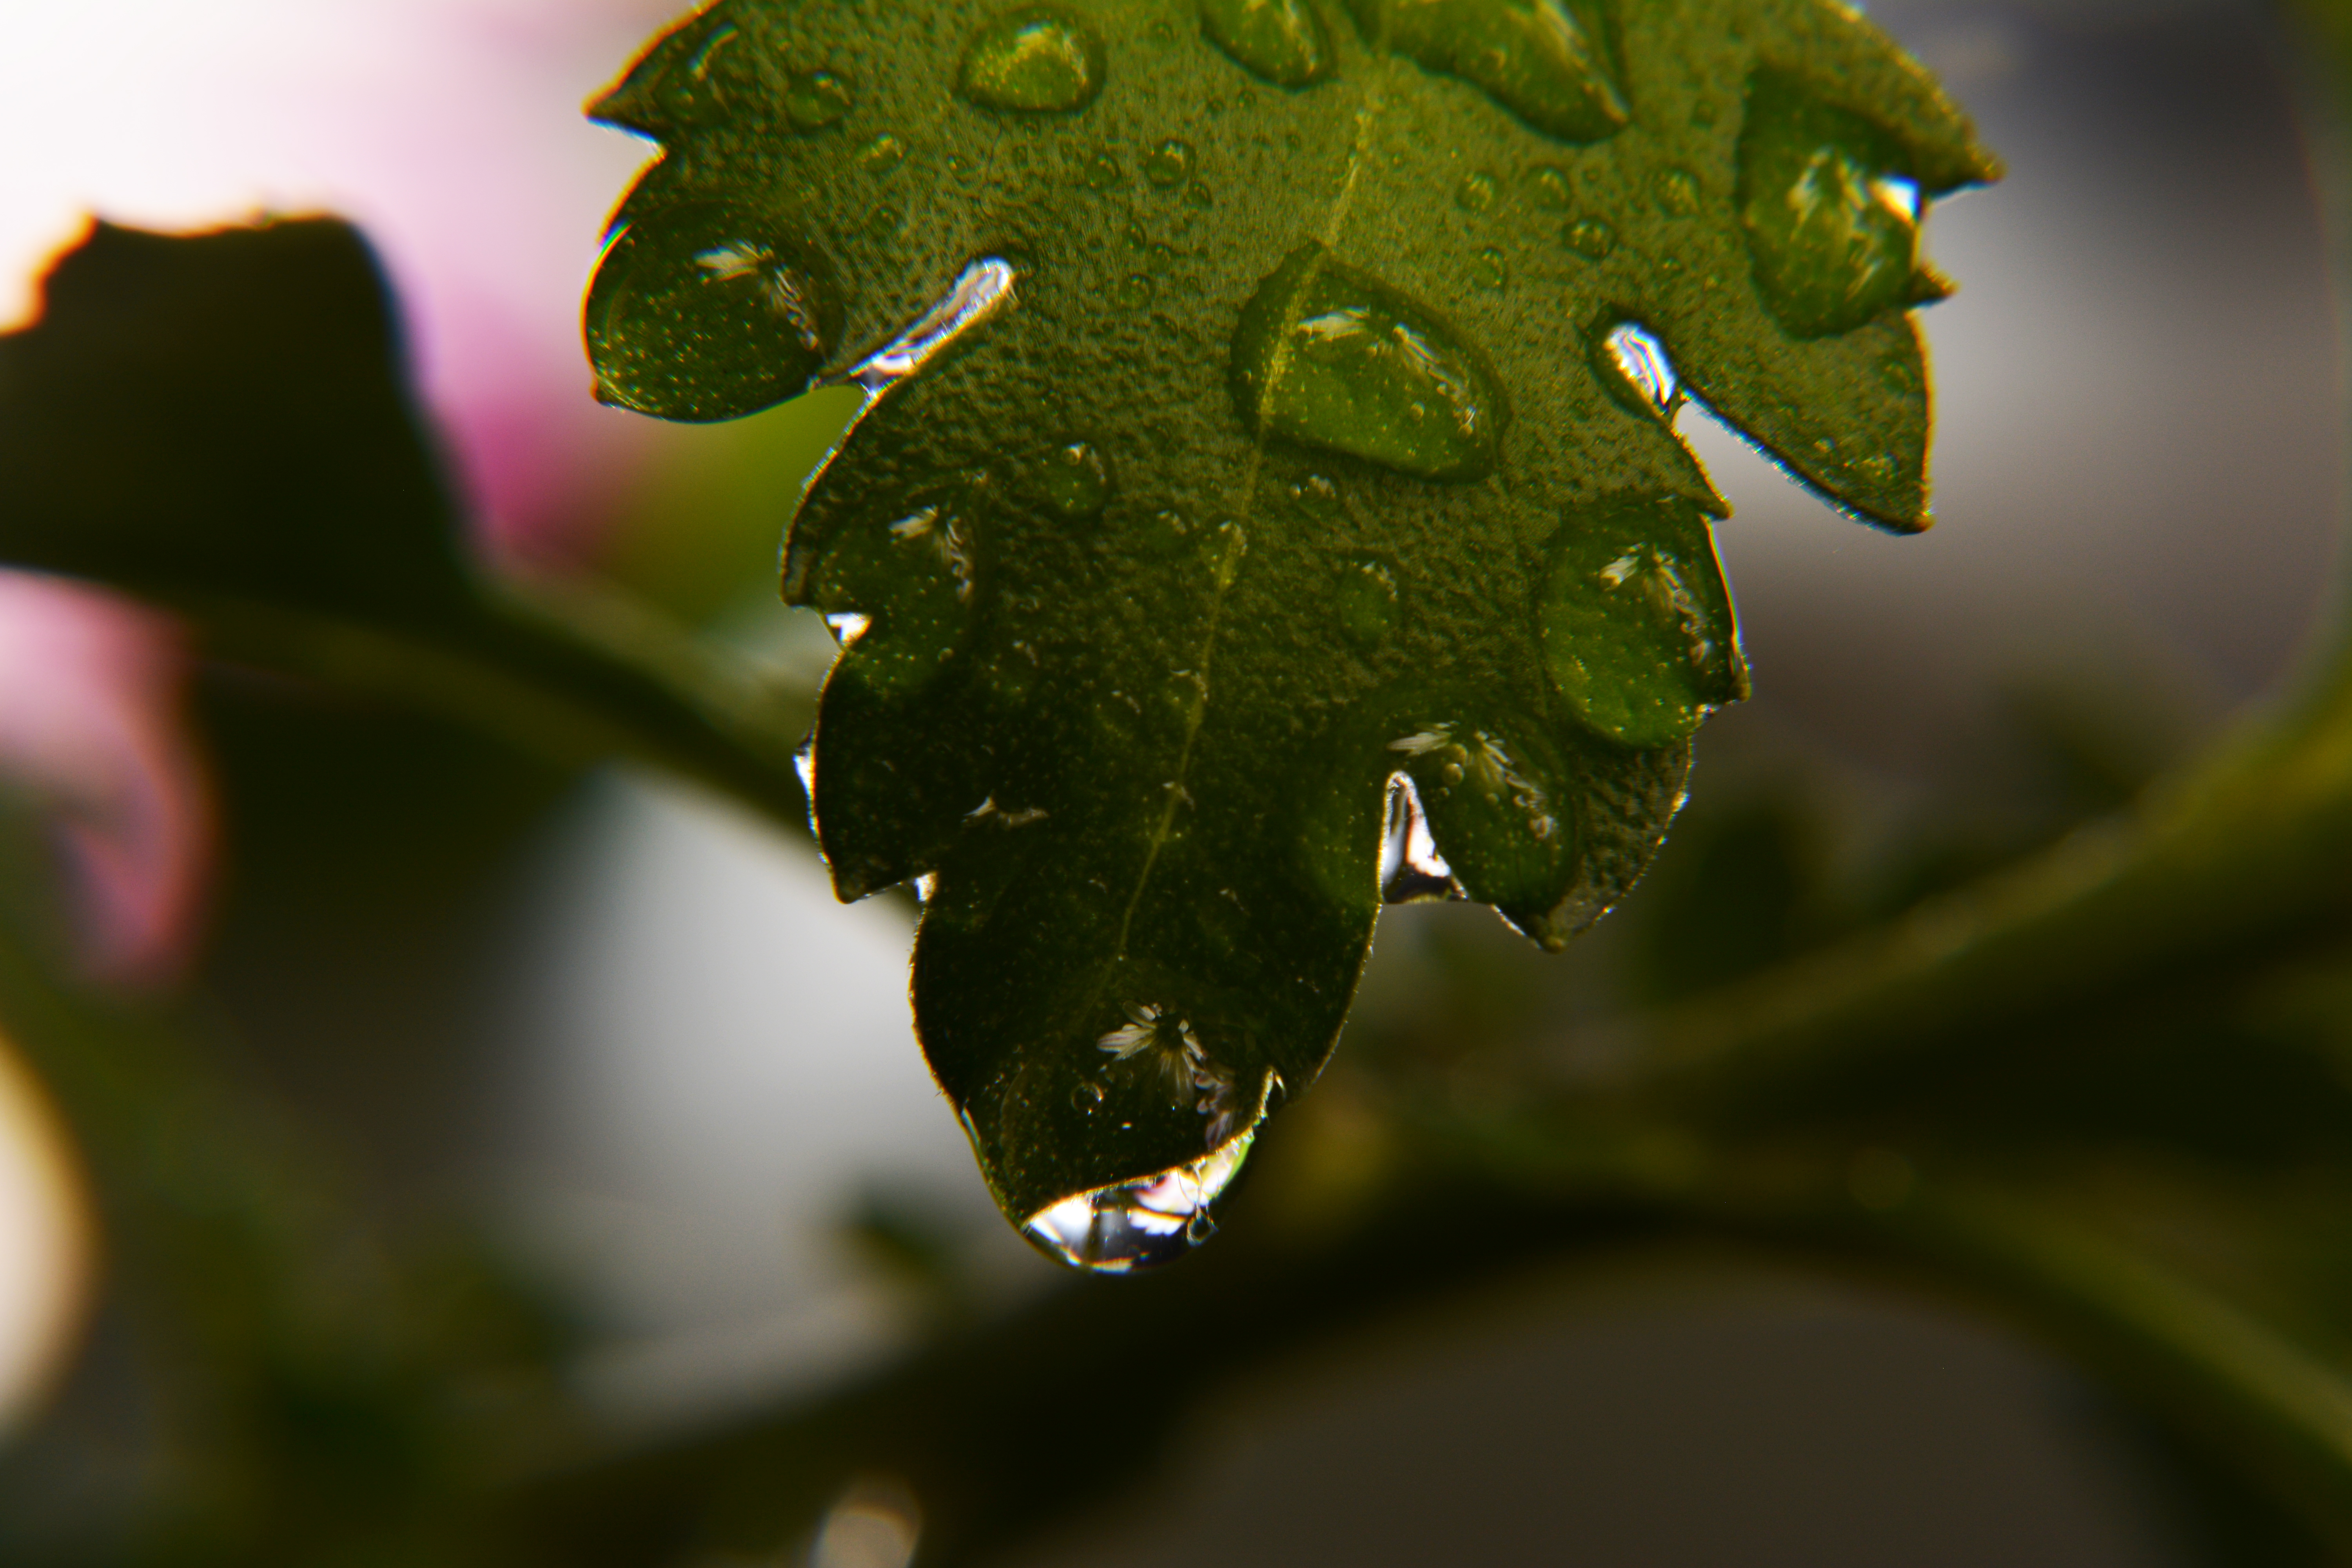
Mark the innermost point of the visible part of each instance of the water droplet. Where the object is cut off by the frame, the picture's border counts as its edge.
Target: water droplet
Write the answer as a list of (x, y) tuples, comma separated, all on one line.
[(1367, 599), (1281, 41), (1084, 1097), (1102, 172), (1412, 870), (1677, 192), (1197, 195), (1541, 60), (1329, 356), (1170, 163), (882, 154), (1152, 1220), (706, 311), (980, 290), (1489, 268), (1501, 810), (1074, 480), (1135, 291), (1548, 189), (1644, 371), (1477, 192), (1317, 495), (1637, 625), (1036, 60), (814, 100), (1832, 224), (1591, 238), (714, 79)]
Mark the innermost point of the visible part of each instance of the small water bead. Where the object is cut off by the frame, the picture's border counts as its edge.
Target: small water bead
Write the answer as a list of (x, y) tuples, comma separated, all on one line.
[(1152, 1220), (1074, 480), (1541, 60), (1367, 595), (1169, 165), (706, 311), (1196, 195), (1038, 59), (1638, 628), (1477, 192), (1490, 269), (1832, 226), (1317, 495), (1281, 41), (1329, 356), (882, 154), (1102, 172), (1135, 291), (1548, 189), (1678, 193), (815, 99), (1591, 238)]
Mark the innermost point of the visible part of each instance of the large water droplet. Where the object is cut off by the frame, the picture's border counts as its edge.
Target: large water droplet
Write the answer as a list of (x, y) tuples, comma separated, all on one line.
[(1545, 60), (1329, 356), (1036, 60), (1412, 870), (1637, 624), (1833, 224), (1501, 807), (1284, 41), (814, 100), (706, 311), (1152, 1220)]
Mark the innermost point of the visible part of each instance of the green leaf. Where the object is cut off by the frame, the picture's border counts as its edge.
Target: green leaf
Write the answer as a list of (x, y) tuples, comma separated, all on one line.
[(1268, 402)]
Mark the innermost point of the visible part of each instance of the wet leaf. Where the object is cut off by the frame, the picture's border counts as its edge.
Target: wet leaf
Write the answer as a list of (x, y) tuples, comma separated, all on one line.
[(1270, 403)]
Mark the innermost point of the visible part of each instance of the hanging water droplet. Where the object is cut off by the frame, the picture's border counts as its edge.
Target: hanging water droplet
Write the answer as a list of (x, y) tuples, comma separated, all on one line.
[(1489, 268), (1542, 59), (1281, 41), (1169, 165), (1591, 238), (1501, 807), (1412, 870), (1677, 192), (1074, 480), (1367, 600), (882, 154), (1329, 356), (1832, 223), (1638, 628), (1036, 60), (1548, 189), (1477, 192), (814, 100), (705, 310), (1135, 291), (1152, 1220), (1643, 368)]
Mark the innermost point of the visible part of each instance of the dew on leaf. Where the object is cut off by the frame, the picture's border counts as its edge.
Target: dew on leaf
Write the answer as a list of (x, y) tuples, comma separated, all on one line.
[(1036, 60), (881, 154), (1367, 599), (1591, 238), (705, 310), (1315, 495), (1169, 165), (1283, 41), (1072, 479), (1197, 195), (1677, 192), (1329, 356), (1477, 192), (1548, 189), (1412, 870), (1102, 173), (1832, 224), (814, 100), (1489, 268), (1541, 60), (1152, 1220), (900, 595), (1638, 629), (1135, 291)]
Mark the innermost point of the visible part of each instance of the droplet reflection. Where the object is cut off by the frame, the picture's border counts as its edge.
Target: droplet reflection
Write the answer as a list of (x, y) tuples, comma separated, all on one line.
[(1144, 1223)]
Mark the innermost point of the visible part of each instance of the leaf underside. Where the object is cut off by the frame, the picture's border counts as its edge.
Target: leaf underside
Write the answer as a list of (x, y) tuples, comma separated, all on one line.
[(1309, 449)]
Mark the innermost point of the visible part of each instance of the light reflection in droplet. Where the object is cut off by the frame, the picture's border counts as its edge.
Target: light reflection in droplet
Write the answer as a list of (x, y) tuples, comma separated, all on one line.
[(1412, 870), (848, 626), (1643, 361), (1152, 1220), (981, 289)]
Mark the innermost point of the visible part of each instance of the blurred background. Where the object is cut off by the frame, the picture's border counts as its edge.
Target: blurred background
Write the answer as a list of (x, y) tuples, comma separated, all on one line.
[(625, 1039)]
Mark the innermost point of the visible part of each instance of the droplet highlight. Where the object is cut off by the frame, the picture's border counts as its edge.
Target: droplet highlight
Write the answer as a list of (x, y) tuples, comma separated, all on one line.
[(1544, 60), (1281, 41), (1412, 870), (1036, 60), (1329, 356), (1144, 1223), (1638, 629), (706, 311), (1832, 222)]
